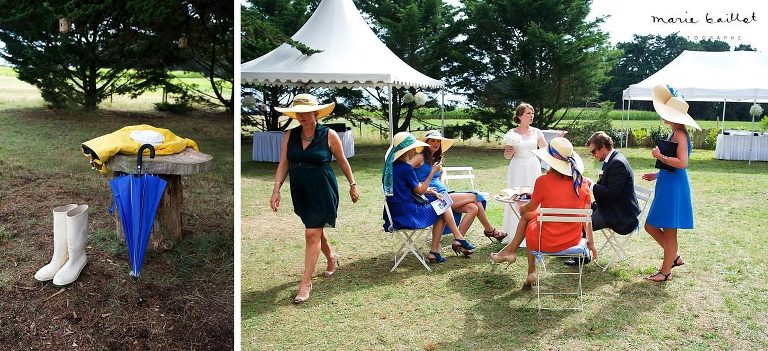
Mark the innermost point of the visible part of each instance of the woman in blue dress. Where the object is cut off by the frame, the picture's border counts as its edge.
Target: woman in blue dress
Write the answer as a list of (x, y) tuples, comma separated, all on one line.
[(469, 203), (672, 207), (400, 183)]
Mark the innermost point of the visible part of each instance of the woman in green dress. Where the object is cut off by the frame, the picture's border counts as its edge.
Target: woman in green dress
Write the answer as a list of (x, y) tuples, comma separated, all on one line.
[(305, 156)]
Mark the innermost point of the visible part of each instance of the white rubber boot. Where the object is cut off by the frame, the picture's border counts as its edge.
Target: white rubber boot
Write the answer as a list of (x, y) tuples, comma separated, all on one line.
[(59, 244), (77, 230)]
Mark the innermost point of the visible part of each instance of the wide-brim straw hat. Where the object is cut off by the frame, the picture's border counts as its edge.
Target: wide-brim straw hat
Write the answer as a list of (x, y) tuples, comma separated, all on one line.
[(306, 103), (563, 147), (445, 143), (669, 104), (407, 140)]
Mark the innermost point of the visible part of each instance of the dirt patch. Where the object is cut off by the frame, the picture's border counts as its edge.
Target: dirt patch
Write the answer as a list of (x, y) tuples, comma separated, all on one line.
[(183, 301)]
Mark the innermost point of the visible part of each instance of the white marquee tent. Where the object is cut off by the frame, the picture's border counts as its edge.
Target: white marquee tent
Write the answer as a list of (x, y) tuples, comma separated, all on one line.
[(735, 76), (352, 56)]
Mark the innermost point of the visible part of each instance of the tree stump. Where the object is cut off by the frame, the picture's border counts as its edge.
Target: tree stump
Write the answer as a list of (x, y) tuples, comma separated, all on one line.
[(168, 227)]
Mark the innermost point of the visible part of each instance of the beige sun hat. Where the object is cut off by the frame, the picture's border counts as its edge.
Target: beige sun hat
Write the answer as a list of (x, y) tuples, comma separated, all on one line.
[(403, 142), (562, 148), (669, 104), (306, 103), (445, 143)]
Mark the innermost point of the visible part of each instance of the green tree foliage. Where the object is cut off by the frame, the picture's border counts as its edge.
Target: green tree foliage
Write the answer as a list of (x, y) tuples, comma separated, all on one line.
[(419, 32), (104, 52), (267, 24), (542, 52), (209, 28)]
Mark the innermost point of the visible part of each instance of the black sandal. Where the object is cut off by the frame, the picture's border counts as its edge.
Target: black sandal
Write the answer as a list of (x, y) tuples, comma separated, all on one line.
[(666, 277), (675, 264)]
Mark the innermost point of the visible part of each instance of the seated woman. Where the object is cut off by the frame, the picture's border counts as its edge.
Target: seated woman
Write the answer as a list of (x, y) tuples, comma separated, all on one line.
[(464, 202), (400, 183), (560, 187)]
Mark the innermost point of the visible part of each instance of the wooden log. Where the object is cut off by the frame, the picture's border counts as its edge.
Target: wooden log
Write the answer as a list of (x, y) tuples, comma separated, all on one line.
[(167, 228)]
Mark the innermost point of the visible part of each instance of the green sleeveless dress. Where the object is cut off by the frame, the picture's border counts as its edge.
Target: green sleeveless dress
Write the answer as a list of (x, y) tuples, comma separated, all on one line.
[(314, 190)]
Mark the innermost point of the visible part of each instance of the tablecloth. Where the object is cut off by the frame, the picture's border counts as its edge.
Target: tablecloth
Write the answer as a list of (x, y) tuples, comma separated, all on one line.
[(266, 145), (737, 147)]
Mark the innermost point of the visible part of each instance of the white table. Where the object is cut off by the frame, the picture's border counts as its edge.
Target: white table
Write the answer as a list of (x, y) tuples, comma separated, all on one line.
[(267, 145), (738, 146), (515, 205)]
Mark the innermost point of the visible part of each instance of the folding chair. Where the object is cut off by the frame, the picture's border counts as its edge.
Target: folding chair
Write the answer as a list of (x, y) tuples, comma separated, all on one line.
[(578, 252), (412, 240), (462, 173), (619, 242)]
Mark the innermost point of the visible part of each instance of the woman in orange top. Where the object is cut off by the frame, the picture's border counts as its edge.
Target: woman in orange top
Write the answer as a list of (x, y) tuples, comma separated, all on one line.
[(561, 187)]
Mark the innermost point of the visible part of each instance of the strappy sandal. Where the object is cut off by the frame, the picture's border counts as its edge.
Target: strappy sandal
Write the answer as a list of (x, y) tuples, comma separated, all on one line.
[(667, 276), (495, 234), (675, 264)]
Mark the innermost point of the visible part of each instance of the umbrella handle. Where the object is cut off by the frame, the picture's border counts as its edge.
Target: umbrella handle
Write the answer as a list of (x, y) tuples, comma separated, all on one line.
[(141, 153)]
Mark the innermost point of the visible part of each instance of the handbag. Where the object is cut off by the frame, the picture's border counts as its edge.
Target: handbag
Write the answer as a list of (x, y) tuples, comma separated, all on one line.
[(669, 149), (420, 199)]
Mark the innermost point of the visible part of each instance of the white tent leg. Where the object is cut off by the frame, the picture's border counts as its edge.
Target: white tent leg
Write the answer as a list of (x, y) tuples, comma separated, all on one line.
[(442, 111), (722, 123), (629, 107), (391, 122)]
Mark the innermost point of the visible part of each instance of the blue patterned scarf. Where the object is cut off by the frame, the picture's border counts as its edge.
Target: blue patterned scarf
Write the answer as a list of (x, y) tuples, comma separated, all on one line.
[(386, 177), (577, 177)]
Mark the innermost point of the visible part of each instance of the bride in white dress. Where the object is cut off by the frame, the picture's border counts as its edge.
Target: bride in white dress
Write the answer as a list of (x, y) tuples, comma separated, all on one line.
[(524, 167)]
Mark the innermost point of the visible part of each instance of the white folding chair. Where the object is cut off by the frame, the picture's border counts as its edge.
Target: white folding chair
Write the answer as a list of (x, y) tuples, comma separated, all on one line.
[(462, 173), (619, 242), (579, 252), (411, 240)]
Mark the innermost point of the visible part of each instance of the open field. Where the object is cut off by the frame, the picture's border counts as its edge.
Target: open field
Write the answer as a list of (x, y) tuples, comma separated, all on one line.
[(716, 301), (16, 93), (184, 297)]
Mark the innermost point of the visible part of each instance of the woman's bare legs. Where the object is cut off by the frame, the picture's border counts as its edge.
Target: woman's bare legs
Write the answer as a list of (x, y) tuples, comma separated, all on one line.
[(470, 212), (437, 234), (461, 199), (327, 251), (522, 225), (667, 239), (656, 233), (312, 237)]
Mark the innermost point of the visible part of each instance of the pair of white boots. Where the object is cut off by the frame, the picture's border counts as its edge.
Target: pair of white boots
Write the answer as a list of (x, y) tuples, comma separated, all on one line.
[(70, 224)]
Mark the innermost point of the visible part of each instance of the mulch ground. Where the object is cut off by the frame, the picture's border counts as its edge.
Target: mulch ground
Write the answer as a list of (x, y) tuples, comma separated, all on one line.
[(171, 307)]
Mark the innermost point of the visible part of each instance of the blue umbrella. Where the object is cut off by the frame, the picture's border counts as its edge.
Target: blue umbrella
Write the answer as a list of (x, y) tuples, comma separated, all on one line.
[(137, 197)]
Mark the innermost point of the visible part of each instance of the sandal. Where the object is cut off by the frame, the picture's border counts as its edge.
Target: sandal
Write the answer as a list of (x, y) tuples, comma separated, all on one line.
[(667, 276), (495, 234), (675, 264), (435, 257)]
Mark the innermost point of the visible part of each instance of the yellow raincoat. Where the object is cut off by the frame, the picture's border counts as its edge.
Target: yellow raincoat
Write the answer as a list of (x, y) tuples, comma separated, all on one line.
[(101, 149)]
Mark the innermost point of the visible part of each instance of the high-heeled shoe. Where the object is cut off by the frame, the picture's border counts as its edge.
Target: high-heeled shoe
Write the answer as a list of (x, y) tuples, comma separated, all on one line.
[(530, 280), (435, 257), (497, 259), (335, 257), (664, 277), (495, 234), (677, 259), (462, 247), (299, 300)]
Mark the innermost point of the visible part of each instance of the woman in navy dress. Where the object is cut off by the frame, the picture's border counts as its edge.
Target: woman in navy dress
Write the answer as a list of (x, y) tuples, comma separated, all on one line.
[(305, 156), (399, 182), (672, 207)]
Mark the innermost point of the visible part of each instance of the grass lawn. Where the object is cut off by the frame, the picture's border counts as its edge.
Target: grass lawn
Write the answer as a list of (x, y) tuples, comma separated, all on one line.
[(184, 298), (716, 301)]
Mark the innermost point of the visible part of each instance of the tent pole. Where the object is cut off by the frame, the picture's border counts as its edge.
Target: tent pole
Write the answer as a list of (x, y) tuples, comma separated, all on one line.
[(629, 107), (622, 118), (442, 111), (722, 123), (391, 123)]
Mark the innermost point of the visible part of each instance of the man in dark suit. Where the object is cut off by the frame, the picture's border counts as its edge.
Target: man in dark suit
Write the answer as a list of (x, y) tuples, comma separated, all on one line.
[(615, 205)]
